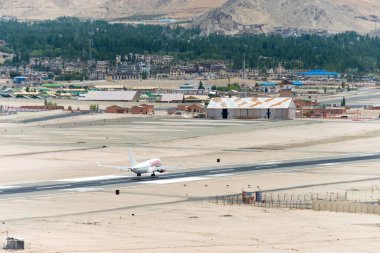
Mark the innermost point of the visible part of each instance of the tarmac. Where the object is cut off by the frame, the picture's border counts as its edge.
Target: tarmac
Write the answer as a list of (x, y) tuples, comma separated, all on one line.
[(180, 177)]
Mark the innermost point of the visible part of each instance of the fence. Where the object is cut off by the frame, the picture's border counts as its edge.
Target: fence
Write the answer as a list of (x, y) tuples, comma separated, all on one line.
[(345, 207), (333, 202), (363, 195), (276, 200)]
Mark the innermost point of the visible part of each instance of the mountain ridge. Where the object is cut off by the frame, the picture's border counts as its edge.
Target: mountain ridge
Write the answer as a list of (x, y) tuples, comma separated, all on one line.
[(330, 15), (214, 16)]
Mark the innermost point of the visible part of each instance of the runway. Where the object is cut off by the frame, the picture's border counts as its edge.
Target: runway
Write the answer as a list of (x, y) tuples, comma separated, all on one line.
[(183, 176)]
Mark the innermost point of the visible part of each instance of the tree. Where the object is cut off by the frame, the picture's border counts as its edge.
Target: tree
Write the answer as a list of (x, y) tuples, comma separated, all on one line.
[(93, 108), (200, 86), (343, 102), (144, 75), (13, 74)]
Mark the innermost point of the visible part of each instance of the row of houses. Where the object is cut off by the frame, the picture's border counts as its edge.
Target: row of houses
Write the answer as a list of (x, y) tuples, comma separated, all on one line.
[(228, 108), (139, 109)]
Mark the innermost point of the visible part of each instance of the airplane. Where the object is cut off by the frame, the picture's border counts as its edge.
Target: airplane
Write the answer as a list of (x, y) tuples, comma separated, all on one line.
[(151, 166)]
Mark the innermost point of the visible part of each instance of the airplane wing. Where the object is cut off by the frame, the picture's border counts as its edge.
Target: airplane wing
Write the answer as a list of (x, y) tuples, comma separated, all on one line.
[(113, 167)]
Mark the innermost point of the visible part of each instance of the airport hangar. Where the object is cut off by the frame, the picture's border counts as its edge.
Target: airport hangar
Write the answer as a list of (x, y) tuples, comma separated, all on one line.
[(251, 108)]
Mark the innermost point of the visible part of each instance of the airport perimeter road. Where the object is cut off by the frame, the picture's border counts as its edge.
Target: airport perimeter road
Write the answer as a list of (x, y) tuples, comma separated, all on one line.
[(98, 182)]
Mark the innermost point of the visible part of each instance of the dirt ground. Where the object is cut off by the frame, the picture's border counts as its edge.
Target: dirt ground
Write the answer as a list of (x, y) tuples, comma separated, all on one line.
[(178, 216)]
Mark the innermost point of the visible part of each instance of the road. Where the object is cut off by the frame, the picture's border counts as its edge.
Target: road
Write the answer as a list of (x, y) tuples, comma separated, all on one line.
[(183, 176)]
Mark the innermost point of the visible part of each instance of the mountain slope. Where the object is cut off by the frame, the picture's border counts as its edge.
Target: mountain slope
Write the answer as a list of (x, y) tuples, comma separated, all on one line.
[(107, 9), (331, 15), (223, 16)]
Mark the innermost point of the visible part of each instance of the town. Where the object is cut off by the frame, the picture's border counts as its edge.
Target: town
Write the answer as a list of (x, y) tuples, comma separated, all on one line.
[(154, 84), (119, 135)]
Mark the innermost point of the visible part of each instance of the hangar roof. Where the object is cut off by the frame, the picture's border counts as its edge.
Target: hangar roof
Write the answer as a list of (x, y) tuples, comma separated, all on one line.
[(251, 103)]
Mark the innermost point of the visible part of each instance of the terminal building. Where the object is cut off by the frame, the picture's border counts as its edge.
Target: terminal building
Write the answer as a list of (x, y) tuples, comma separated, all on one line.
[(251, 108)]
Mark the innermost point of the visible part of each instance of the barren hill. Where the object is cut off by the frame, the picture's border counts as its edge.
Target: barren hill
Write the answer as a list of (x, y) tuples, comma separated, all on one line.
[(224, 16), (107, 9), (331, 15)]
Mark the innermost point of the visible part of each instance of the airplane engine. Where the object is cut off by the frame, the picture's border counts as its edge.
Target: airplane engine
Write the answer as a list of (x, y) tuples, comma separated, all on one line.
[(161, 170)]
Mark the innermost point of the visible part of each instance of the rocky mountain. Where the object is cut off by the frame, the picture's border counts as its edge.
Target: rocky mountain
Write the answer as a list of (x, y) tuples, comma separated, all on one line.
[(250, 16), (106, 9), (220, 16)]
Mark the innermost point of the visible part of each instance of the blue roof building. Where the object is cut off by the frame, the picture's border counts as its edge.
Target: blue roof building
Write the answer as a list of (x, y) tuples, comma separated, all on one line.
[(320, 74), (20, 79), (268, 84), (298, 83)]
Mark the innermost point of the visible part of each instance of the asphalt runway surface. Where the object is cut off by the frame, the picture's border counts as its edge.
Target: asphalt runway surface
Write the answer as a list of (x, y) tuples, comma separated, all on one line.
[(211, 173)]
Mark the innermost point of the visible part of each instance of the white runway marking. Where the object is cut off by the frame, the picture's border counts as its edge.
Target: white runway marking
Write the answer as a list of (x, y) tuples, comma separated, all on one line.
[(216, 171), (270, 163), (175, 180), (7, 187), (222, 175), (87, 179), (83, 189), (328, 164), (53, 187)]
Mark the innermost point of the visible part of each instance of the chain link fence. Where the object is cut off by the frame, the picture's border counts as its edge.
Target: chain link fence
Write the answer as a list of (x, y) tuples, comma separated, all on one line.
[(276, 200)]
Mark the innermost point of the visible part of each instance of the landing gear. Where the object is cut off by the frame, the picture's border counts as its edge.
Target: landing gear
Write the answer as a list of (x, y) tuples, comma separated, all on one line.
[(153, 175), (139, 174)]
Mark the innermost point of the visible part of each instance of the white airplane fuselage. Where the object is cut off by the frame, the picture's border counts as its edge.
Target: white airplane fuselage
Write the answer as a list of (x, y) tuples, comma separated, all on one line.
[(151, 166)]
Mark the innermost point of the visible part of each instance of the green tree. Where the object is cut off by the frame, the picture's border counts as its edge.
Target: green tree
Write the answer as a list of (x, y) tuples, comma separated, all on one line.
[(94, 108), (343, 102), (144, 75), (200, 86)]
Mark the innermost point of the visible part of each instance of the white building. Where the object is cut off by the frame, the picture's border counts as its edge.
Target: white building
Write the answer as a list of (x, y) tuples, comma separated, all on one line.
[(251, 108)]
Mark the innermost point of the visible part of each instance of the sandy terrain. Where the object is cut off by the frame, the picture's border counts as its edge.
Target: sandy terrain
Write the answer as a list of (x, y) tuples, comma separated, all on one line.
[(166, 216)]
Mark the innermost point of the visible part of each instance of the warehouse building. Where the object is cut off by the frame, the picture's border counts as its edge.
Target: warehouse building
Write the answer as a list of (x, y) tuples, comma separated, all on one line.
[(251, 108)]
